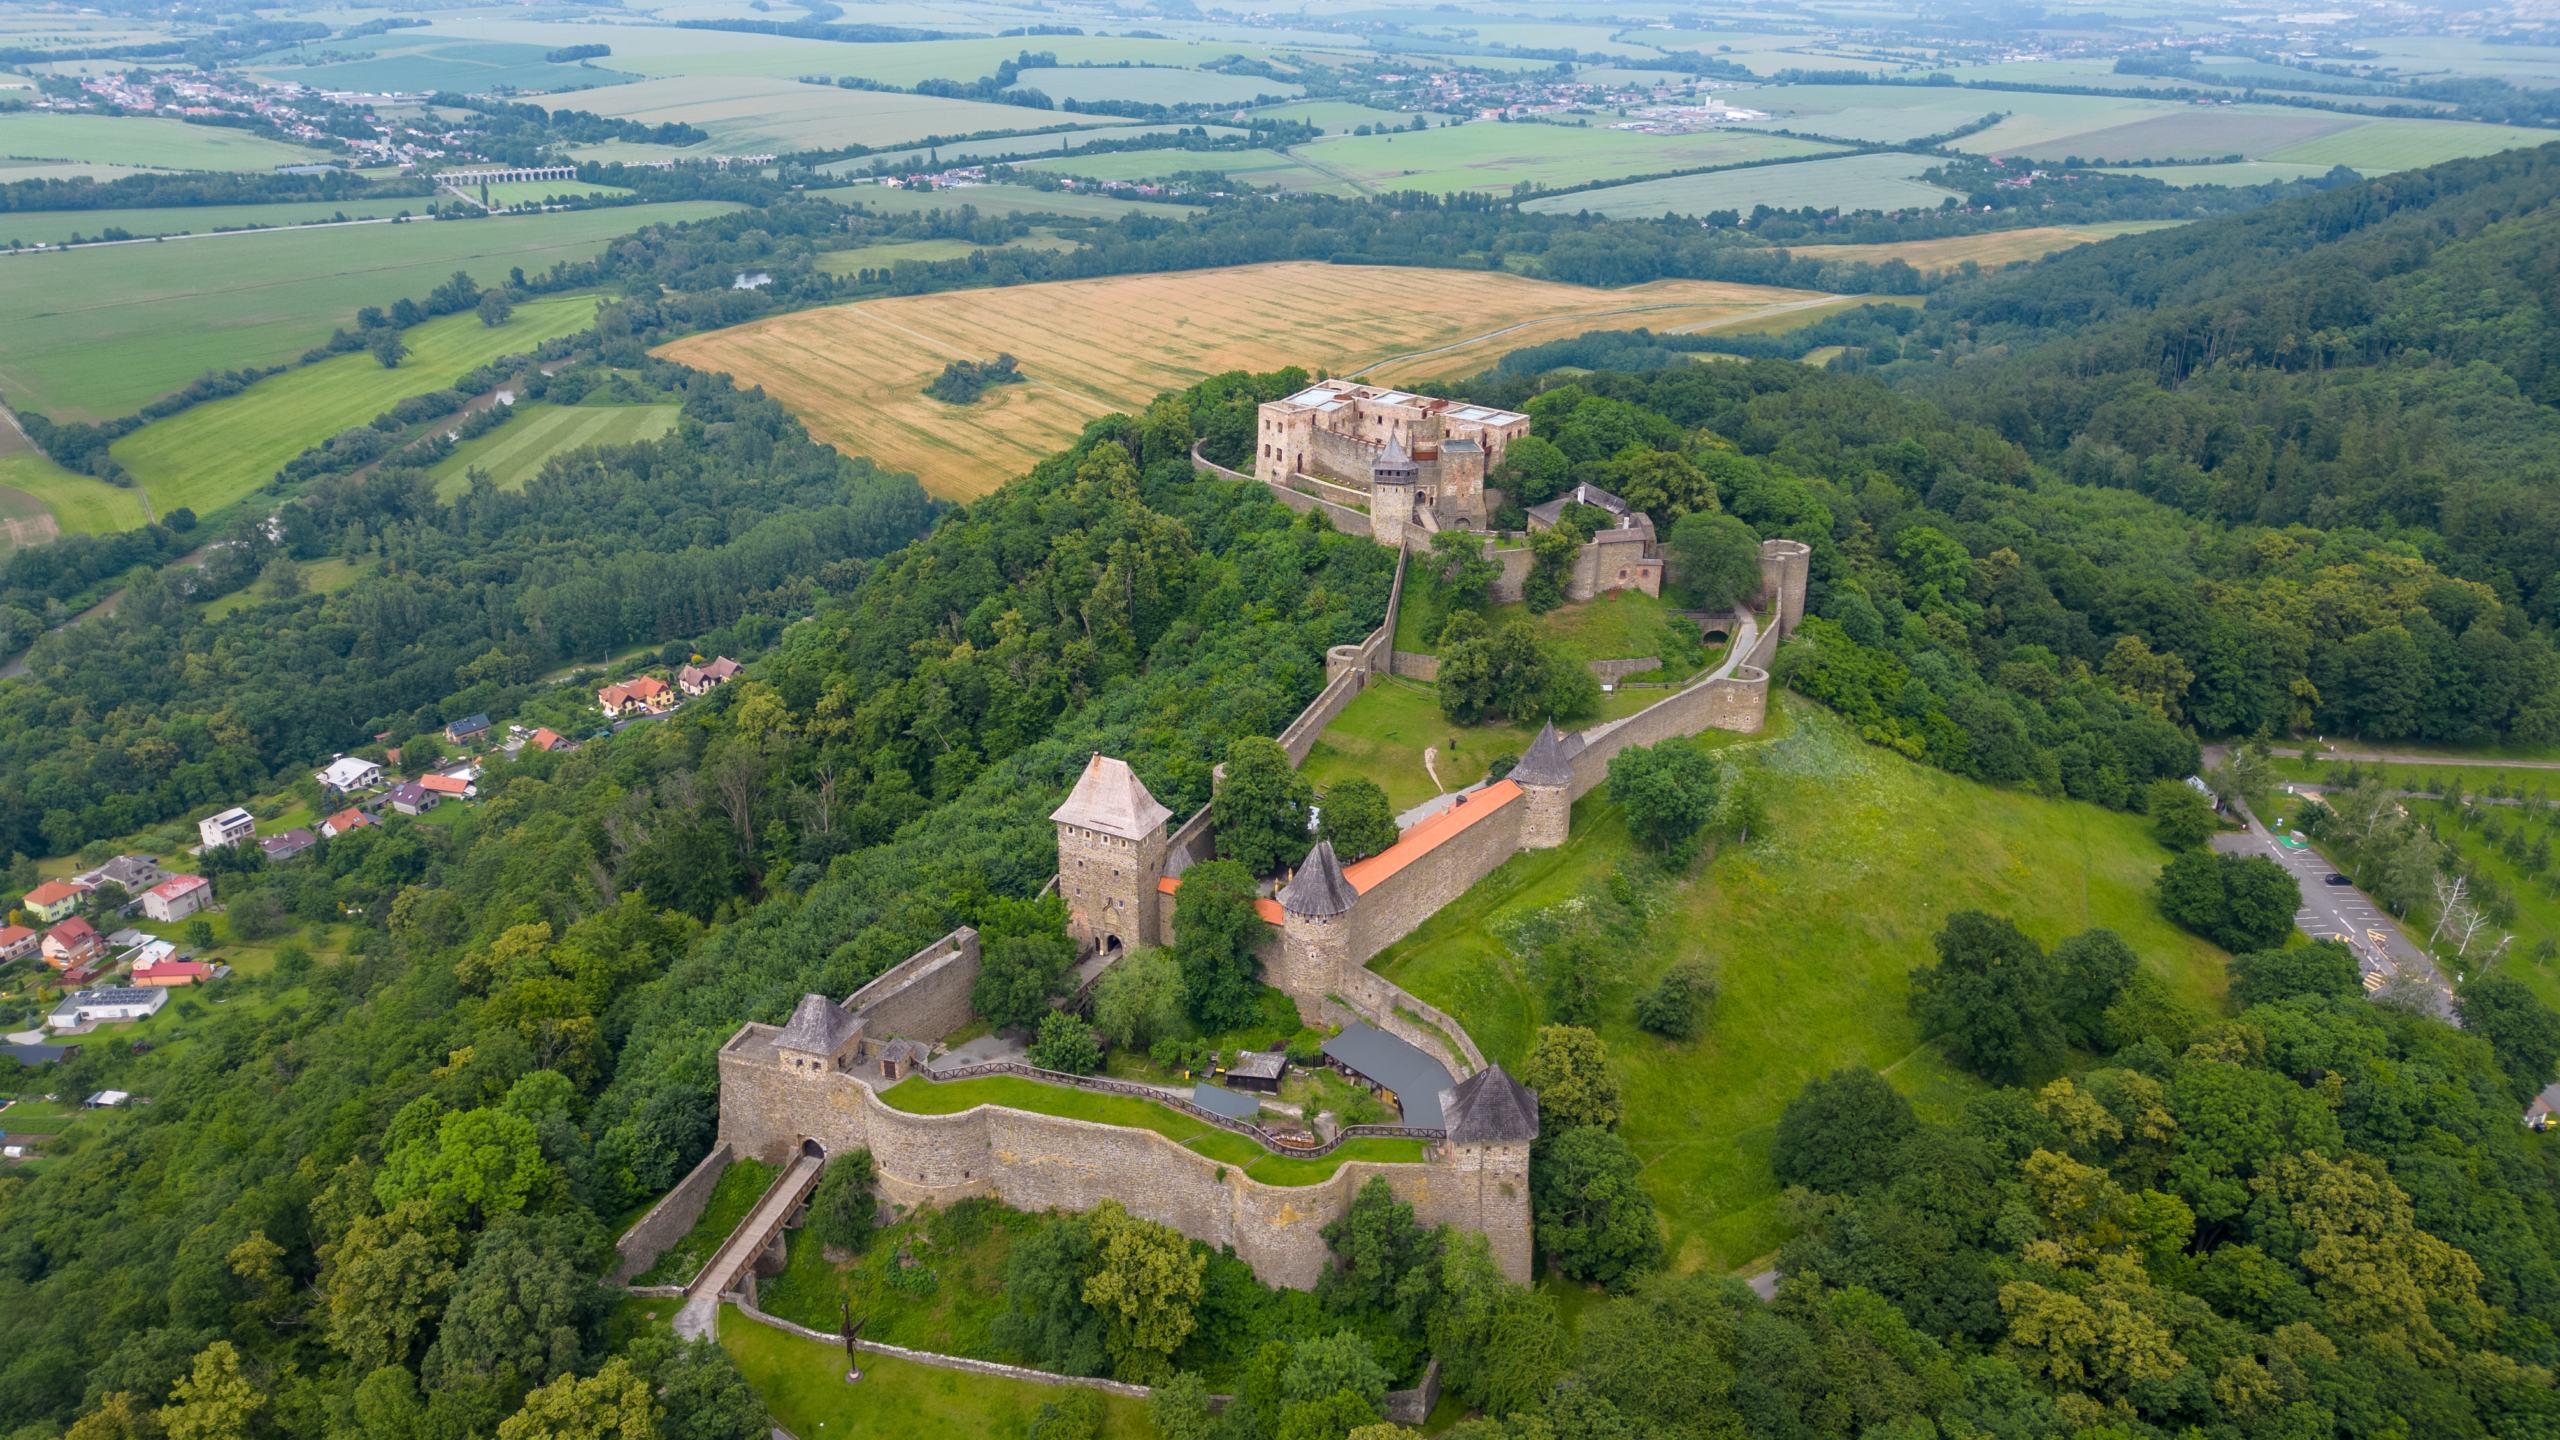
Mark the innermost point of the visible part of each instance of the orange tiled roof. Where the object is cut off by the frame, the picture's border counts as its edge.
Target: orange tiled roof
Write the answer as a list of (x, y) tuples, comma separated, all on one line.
[(1422, 839)]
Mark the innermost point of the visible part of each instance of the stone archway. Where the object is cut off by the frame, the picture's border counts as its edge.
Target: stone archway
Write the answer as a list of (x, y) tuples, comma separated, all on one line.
[(812, 1150)]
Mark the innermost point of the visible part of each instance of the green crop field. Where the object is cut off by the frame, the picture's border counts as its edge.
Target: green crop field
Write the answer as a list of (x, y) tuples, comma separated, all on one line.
[(880, 257), (756, 113), (2247, 172), (1159, 85), (89, 334), (1814, 928), (1493, 157), (144, 140), (2199, 133), (513, 453), (79, 504), (469, 67), (1001, 200), (1853, 182), (56, 227), (209, 456), (1336, 117), (2379, 145), (538, 192), (1053, 142), (802, 1382)]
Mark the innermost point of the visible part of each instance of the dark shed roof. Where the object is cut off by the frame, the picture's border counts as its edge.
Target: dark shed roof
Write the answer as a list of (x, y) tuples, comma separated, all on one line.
[(1224, 1101), (1399, 1065)]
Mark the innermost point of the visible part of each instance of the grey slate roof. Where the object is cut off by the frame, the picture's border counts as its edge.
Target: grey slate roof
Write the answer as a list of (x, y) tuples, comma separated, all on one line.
[(1581, 494), (1223, 1101), (1396, 461), (1545, 762), (1490, 1108), (1110, 797), (1260, 1064), (818, 1027), (1319, 889), (1401, 1066)]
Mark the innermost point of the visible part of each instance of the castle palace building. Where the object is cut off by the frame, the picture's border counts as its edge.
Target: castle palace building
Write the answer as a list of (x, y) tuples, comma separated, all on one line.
[(1399, 454)]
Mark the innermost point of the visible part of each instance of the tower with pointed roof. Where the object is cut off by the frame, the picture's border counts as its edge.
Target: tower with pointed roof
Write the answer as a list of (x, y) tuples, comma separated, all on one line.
[(1315, 929), (1391, 482), (1545, 778), (820, 1040), (1111, 847), (1492, 1121)]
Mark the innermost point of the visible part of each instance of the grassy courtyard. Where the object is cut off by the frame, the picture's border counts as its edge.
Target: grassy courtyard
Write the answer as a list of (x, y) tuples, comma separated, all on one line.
[(1814, 929), (924, 1097), (802, 1382), (1381, 736)]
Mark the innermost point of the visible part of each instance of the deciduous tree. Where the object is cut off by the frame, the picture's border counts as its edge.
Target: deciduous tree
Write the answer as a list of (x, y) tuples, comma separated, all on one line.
[(1990, 998)]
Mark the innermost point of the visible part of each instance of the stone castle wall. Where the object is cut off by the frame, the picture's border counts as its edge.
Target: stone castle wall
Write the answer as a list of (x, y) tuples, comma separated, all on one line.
[(925, 996), (1402, 901), (1416, 667), (670, 1219), (1512, 585), (1040, 1162)]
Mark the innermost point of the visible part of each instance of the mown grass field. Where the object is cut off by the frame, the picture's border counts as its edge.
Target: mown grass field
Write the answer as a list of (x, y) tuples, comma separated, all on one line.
[(513, 453), (78, 503), (1493, 157), (802, 1382), (764, 113), (327, 576), (1814, 929), (213, 454), (1853, 182), (92, 334), (1001, 200), (1989, 251), (144, 141), (881, 257), (1381, 736), (856, 373), (2379, 145), (56, 227)]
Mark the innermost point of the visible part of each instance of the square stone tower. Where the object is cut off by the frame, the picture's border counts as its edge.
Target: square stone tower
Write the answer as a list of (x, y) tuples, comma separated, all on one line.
[(1111, 845), (1492, 1121)]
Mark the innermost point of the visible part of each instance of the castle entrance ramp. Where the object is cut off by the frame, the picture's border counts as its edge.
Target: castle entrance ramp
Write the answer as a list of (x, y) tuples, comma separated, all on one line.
[(701, 1309)]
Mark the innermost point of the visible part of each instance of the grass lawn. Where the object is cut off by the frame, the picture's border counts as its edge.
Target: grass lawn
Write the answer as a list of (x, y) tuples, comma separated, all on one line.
[(1874, 181), (79, 504), (932, 1281), (802, 1382), (735, 1194), (2519, 780), (514, 452), (95, 333), (1814, 929), (1618, 625), (1381, 736), (56, 227), (327, 575), (145, 140), (213, 454)]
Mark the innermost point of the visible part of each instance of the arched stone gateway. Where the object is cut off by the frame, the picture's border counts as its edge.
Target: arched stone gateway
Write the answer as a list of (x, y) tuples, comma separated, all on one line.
[(812, 1149)]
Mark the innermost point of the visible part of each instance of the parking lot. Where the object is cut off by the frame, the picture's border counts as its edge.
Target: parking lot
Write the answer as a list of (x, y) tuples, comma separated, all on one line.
[(2344, 913)]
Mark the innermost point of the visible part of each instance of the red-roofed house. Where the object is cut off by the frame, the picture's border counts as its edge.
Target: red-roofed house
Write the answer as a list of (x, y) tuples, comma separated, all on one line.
[(72, 943), (644, 692), (170, 973), (344, 821), (694, 680), (177, 897), (548, 739), (17, 942), (54, 899), (453, 785)]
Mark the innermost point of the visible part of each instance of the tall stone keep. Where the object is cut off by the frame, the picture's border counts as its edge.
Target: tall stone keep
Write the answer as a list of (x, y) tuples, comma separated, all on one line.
[(1783, 564), (1545, 778), (1315, 929), (1111, 846), (1391, 482), (1492, 1121)]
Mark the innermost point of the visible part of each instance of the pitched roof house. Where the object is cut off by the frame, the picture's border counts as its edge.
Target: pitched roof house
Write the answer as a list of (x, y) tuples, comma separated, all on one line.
[(54, 899), (344, 821), (287, 845), (17, 942), (701, 680), (411, 798), (71, 942), (177, 897), (453, 785)]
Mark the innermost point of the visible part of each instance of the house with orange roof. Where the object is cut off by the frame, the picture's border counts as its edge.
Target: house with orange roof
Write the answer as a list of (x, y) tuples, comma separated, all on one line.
[(344, 821), (646, 693), (450, 786), (17, 942), (703, 679), (54, 899), (547, 738)]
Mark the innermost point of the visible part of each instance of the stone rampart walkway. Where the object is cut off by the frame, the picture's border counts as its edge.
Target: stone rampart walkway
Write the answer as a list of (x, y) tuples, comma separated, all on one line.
[(701, 1308)]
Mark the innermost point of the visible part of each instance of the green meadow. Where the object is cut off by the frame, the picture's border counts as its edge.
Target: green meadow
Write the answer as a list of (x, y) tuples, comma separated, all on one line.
[(145, 141), (215, 453), (1494, 157), (79, 504), (802, 1382), (513, 453), (1814, 928), (95, 333), (57, 227)]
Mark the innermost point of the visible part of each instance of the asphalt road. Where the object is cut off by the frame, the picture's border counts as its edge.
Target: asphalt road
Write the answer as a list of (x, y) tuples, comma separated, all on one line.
[(2343, 912)]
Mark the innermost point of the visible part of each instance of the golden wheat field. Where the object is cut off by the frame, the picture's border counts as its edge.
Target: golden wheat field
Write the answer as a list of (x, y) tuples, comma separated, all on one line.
[(855, 374)]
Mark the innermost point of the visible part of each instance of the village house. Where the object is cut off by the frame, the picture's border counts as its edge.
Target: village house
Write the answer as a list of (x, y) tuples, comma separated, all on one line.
[(17, 942), (445, 787), (547, 739), (344, 821), (72, 943), (150, 950), (646, 693), (84, 1008), (169, 974), (135, 873), (177, 897), (348, 773), (54, 899), (1622, 555), (287, 845), (468, 732), (228, 828), (411, 798), (702, 680)]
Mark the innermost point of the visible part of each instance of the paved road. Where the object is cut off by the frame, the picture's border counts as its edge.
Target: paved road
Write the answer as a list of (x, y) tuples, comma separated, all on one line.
[(2370, 757), (2343, 912)]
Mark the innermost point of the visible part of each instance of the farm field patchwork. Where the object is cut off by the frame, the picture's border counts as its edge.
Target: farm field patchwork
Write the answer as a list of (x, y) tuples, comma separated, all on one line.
[(56, 227), (144, 141), (1883, 124), (2380, 145), (1997, 247), (513, 453), (1852, 182), (39, 499), (1157, 85), (2198, 134), (1815, 929), (758, 113), (1001, 200), (1253, 167), (1495, 157), (1051, 142), (855, 374), (2247, 172), (213, 454), (90, 334), (477, 68)]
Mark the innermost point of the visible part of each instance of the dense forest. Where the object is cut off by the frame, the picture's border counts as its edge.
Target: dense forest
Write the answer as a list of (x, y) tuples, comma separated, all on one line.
[(370, 1197)]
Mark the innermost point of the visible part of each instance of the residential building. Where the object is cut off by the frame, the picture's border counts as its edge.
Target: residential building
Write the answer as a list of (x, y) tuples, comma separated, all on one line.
[(287, 845), (177, 898), (348, 773), (411, 798), (17, 942), (136, 873), (344, 821), (170, 974), (1622, 555), (72, 943), (701, 680), (149, 952), (547, 739), (646, 693), (54, 899), (468, 732), (228, 828), (445, 787)]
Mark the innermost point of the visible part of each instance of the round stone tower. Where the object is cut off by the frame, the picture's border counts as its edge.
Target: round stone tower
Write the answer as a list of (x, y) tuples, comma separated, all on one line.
[(1315, 930), (1783, 564), (1545, 778), (1391, 488)]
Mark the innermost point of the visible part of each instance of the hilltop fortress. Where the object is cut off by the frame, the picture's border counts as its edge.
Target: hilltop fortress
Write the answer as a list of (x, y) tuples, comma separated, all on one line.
[(799, 1092)]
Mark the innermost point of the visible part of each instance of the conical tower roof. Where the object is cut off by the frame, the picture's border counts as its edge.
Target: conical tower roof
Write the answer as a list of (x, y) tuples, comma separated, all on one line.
[(1545, 762), (1395, 463), (1319, 888), (1110, 797), (1489, 1108)]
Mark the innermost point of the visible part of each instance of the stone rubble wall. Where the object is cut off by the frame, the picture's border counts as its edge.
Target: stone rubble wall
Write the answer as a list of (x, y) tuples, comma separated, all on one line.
[(925, 995), (1612, 671), (670, 1219), (1416, 667)]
